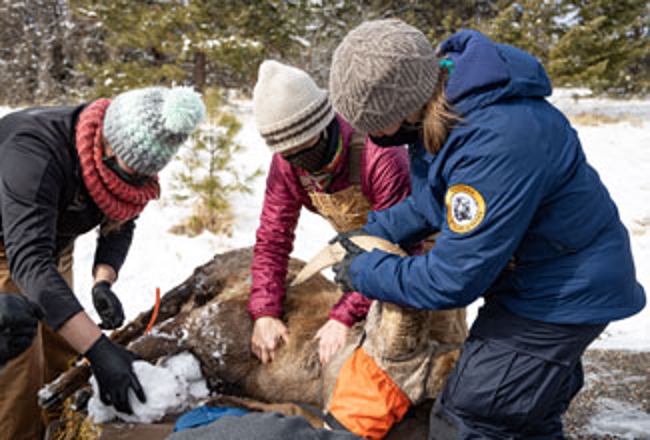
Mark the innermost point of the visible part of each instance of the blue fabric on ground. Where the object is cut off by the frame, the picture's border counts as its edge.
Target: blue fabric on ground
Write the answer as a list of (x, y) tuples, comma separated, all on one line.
[(205, 415)]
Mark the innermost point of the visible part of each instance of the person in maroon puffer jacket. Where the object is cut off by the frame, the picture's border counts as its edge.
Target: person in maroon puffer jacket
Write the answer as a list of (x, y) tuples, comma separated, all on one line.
[(322, 164)]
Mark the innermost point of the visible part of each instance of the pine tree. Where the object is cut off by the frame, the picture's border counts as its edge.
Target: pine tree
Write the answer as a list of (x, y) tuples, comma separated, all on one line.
[(326, 23), (531, 25), (35, 62), (606, 49), (235, 36), (207, 179), (139, 41), (202, 42), (439, 19)]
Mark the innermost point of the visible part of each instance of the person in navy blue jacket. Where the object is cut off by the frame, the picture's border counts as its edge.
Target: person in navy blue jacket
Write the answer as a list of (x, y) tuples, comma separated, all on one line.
[(523, 220)]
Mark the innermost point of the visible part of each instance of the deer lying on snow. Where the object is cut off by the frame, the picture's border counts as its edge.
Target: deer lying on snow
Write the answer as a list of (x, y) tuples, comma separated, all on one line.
[(206, 315)]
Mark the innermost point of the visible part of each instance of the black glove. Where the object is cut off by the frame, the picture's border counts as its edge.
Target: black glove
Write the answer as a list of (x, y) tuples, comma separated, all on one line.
[(346, 235), (342, 269), (108, 306), (112, 366), (18, 324)]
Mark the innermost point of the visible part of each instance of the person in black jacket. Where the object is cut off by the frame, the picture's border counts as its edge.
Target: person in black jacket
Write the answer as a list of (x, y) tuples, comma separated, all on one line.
[(63, 172)]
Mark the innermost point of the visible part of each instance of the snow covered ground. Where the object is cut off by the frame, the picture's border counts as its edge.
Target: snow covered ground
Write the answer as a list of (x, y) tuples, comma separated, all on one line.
[(620, 153)]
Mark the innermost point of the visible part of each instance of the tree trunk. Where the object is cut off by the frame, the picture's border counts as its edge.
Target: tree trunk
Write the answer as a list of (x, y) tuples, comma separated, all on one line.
[(198, 75)]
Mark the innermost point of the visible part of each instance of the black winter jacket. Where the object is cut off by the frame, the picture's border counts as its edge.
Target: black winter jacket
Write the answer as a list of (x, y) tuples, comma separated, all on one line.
[(44, 206)]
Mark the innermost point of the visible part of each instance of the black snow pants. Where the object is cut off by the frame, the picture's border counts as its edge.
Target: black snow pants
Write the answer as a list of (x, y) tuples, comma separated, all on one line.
[(514, 379)]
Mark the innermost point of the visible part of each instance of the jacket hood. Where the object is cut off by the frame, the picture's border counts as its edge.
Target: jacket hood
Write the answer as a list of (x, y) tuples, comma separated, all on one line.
[(485, 72)]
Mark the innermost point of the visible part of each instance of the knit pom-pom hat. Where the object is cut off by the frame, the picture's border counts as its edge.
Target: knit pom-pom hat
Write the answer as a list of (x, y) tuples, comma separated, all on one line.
[(145, 127)]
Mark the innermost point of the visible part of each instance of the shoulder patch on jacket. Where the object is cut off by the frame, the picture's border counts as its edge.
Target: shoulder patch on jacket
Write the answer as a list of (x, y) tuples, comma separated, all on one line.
[(465, 208)]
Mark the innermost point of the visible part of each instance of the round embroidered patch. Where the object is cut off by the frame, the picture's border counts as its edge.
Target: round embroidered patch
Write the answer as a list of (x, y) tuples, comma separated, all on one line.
[(465, 208)]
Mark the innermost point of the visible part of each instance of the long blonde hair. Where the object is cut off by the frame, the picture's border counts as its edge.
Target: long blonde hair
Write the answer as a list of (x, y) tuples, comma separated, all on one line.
[(439, 116)]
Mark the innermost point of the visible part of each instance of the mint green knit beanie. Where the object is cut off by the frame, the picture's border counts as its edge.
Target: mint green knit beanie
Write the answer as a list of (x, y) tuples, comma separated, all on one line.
[(145, 127)]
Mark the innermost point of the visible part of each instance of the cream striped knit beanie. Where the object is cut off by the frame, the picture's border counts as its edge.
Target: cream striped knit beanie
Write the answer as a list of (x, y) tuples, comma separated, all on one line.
[(288, 106)]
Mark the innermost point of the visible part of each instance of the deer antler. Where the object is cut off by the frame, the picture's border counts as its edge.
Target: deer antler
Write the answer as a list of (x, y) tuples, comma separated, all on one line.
[(334, 253)]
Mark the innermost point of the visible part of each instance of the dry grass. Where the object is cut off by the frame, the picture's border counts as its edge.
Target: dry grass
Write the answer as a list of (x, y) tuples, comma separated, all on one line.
[(73, 426), (219, 223), (595, 119)]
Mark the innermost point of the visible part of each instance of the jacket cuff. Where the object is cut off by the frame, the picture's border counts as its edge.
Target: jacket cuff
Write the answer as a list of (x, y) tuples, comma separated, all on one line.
[(351, 308), (341, 316), (110, 258), (369, 286), (256, 313), (58, 314)]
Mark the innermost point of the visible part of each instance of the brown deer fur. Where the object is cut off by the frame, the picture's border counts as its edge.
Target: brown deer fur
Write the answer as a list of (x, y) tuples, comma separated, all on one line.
[(207, 316)]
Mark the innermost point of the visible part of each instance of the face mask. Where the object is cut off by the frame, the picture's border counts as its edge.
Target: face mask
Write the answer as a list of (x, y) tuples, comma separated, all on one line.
[(406, 134), (311, 159), (136, 180)]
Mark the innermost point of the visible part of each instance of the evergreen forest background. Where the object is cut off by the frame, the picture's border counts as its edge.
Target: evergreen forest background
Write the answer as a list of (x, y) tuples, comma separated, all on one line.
[(64, 51)]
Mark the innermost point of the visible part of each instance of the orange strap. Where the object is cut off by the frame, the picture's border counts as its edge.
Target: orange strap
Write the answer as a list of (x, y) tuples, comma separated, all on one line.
[(366, 400), (154, 314)]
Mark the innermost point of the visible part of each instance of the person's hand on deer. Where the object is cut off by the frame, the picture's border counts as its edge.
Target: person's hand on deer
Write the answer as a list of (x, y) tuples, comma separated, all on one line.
[(331, 337), (268, 333)]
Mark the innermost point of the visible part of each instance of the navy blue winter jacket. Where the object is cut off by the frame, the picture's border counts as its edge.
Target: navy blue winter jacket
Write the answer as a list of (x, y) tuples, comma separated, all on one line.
[(523, 218)]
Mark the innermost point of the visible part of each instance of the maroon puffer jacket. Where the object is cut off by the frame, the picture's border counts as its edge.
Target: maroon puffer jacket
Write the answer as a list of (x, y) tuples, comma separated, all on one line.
[(384, 182)]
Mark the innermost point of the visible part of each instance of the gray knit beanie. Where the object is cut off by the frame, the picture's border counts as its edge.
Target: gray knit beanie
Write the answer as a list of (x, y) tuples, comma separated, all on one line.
[(145, 127), (288, 106), (382, 72)]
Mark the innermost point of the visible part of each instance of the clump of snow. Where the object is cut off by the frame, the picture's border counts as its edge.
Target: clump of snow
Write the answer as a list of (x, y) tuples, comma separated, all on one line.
[(172, 387), (621, 419), (44, 394), (185, 367)]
